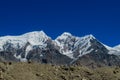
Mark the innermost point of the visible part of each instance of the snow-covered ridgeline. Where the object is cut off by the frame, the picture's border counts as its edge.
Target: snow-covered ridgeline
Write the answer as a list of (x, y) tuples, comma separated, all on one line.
[(67, 43)]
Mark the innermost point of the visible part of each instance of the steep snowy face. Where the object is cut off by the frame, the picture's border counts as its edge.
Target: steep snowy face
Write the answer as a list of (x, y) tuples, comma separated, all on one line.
[(66, 44), (36, 38), (21, 45), (71, 45), (85, 44), (33, 38)]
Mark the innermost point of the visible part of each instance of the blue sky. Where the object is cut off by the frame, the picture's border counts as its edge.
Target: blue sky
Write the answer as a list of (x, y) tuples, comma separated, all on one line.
[(79, 17)]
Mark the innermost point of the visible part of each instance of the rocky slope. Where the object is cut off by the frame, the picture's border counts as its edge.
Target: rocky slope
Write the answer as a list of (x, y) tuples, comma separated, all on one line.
[(35, 71)]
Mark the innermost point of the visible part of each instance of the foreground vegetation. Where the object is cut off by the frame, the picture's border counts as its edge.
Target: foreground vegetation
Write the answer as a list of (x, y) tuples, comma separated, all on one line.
[(35, 71)]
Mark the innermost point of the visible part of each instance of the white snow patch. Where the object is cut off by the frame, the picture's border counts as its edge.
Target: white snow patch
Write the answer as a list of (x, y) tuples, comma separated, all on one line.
[(113, 50)]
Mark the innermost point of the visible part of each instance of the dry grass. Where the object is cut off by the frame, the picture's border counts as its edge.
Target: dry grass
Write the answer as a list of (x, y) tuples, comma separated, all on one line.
[(35, 71)]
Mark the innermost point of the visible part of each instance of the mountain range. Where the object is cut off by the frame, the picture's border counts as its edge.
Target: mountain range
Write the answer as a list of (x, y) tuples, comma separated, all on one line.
[(66, 49)]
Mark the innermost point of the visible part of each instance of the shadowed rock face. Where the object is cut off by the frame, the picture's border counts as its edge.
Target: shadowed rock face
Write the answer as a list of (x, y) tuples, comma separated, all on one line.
[(98, 57), (50, 54)]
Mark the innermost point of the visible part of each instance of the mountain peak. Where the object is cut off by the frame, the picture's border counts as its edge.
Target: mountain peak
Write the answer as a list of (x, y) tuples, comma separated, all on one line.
[(90, 36), (34, 38), (69, 43), (42, 33), (66, 34)]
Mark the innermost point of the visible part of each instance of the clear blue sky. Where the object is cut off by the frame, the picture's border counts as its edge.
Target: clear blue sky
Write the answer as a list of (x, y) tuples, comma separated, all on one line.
[(79, 17)]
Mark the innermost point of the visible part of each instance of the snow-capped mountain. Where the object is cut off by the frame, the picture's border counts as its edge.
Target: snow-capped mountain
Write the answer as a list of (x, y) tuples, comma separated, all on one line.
[(34, 38), (28, 40), (70, 44), (65, 49), (34, 46)]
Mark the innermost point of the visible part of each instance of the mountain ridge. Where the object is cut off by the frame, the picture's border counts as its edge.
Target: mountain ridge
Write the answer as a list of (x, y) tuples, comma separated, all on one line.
[(65, 49)]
